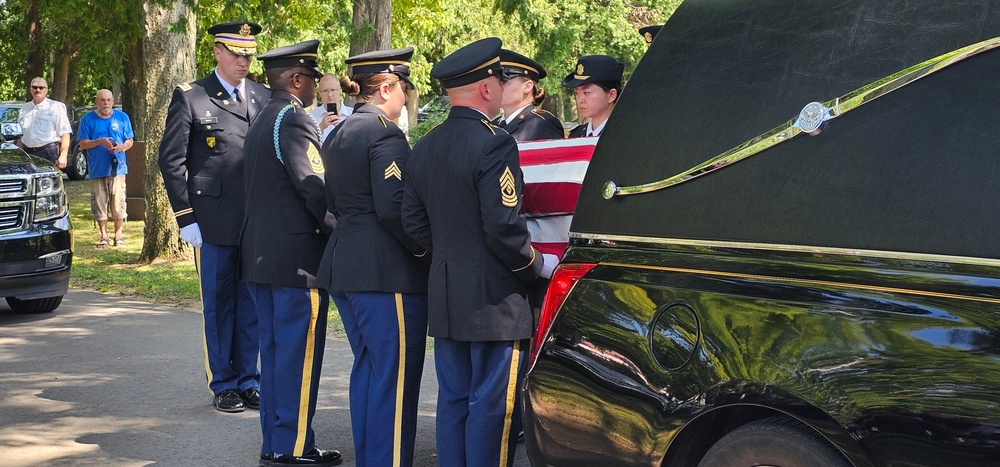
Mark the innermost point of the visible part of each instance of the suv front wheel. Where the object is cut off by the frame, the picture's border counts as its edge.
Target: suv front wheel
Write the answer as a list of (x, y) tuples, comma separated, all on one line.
[(77, 169), (38, 305)]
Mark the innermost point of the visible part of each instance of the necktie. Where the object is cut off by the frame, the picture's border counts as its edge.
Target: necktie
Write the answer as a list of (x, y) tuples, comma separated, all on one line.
[(502, 123), (243, 105)]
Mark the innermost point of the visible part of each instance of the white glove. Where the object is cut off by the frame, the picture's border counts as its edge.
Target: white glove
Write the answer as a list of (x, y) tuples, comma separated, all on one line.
[(549, 263), (191, 234)]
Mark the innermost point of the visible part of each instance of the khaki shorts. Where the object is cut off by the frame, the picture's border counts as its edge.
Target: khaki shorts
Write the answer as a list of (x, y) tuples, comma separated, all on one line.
[(107, 196)]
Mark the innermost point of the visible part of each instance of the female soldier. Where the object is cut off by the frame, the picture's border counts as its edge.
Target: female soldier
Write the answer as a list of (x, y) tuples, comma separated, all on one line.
[(596, 83), (521, 97), (372, 270)]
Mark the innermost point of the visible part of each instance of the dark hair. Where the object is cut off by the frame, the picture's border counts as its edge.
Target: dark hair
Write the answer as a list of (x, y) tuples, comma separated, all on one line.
[(537, 94), (607, 86), (363, 86)]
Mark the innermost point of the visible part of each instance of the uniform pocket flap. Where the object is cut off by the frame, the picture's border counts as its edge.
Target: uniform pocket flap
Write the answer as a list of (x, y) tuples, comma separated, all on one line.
[(205, 186)]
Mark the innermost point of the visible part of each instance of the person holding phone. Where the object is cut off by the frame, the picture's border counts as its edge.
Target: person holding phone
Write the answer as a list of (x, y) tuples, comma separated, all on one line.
[(330, 111), (105, 134)]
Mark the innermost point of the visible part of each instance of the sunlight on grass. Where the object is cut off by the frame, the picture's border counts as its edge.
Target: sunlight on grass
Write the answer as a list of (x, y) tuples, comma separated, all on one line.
[(117, 270)]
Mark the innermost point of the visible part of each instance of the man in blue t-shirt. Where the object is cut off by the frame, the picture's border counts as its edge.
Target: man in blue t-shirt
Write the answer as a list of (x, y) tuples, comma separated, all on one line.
[(106, 133)]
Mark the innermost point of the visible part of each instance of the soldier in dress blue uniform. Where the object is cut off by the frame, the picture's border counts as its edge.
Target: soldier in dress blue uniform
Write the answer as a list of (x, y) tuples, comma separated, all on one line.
[(462, 201), (522, 97), (285, 230), (372, 269), (201, 158), (596, 82)]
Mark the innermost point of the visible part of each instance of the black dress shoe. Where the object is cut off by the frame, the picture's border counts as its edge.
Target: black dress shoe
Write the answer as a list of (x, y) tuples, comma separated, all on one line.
[(251, 398), (315, 458), (229, 401), (265, 460)]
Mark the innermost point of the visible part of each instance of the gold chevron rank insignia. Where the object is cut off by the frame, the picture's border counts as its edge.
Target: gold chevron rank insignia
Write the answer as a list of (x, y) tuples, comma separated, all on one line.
[(315, 162), (393, 171), (508, 189)]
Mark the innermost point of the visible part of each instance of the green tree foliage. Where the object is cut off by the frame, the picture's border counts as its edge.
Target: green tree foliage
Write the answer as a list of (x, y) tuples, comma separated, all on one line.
[(554, 32)]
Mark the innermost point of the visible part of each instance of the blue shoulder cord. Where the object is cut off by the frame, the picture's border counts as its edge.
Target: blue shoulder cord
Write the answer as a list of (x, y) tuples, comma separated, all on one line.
[(277, 124)]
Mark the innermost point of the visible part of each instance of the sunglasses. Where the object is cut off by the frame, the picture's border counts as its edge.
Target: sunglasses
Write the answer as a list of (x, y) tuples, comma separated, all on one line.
[(38, 87)]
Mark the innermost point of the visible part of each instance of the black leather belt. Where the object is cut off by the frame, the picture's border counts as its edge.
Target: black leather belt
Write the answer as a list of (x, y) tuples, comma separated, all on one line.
[(42, 146)]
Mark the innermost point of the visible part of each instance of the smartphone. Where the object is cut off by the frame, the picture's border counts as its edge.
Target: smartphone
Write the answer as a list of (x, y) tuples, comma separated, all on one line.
[(332, 107)]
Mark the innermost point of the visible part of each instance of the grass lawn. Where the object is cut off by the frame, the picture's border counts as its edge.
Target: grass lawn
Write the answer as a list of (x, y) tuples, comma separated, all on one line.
[(116, 270)]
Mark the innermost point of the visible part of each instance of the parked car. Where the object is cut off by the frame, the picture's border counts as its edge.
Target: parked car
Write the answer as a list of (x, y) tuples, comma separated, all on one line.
[(770, 266), (8, 120), (76, 164), (36, 237), (433, 108)]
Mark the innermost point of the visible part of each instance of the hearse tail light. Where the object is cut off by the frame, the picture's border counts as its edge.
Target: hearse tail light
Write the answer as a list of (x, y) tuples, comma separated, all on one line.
[(563, 279)]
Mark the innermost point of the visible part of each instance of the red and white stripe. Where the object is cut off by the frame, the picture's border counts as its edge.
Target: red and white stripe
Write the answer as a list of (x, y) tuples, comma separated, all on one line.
[(553, 173)]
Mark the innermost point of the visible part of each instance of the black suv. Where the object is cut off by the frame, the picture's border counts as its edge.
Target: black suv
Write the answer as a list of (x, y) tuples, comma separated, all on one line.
[(36, 237), (786, 250)]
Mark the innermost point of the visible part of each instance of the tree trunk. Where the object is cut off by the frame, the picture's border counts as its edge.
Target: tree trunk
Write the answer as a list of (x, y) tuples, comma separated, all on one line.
[(372, 24), (374, 19), (36, 55), (164, 57), (59, 84)]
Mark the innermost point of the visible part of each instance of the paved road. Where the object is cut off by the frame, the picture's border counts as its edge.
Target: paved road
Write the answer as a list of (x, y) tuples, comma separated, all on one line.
[(112, 381)]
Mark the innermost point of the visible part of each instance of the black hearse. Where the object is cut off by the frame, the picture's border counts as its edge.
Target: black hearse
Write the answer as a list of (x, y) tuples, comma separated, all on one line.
[(36, 237), (787, 247)]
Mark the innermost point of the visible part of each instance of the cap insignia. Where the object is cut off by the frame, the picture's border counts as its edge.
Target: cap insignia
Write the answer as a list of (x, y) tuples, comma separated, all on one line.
[(393, 171), (245, 30), (649, 38), (508, 189), (579, 68)]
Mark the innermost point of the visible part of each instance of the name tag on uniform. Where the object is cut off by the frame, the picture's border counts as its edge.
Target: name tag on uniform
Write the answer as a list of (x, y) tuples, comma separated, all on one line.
[(208, 120)]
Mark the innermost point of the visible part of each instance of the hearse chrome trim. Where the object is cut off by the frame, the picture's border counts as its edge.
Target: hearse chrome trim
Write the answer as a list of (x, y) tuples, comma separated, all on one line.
[(814, 282), (778, 247), (810, 120)]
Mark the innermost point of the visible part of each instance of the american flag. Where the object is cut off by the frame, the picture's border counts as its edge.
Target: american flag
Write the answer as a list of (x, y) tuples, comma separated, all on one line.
[(553, 172)]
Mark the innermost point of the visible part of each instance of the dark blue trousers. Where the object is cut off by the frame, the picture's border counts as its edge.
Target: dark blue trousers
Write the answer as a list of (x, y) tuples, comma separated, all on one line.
[(231, 335), (477, 389), (388, 335), (292, 339)]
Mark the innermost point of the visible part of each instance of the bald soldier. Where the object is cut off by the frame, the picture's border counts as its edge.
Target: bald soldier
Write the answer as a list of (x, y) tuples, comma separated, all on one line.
[(462, 201)]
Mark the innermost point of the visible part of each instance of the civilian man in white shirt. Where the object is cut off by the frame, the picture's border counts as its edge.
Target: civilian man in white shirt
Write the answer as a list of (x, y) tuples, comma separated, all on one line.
[(329, 93), (45, 125)]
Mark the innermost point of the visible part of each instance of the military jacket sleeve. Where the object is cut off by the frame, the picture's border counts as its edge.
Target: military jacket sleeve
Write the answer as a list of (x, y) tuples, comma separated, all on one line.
[(500, 185), (388, 156), (298, 150), (173, 155), (416, 222)]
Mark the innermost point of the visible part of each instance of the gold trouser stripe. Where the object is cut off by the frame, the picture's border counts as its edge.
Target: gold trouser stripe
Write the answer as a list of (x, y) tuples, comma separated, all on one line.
[(201, 296), (305, 392), (875, 288), (397, 434), (515, 356)]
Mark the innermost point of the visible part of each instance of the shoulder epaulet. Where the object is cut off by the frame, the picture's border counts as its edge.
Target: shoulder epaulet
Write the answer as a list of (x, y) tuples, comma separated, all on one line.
[(540, 113), (493, 128), (185, 87), (432, 129), (384, 123)]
